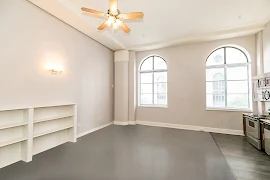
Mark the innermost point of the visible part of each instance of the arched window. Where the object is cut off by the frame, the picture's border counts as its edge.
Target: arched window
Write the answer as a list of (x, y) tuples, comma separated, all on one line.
[(228, 79), (153, 82)]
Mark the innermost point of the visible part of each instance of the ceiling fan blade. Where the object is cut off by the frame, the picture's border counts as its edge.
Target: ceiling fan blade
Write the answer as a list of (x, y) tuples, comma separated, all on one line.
[(93, 11), (124, 27), (103, 26), (113, 5), (134, 15)]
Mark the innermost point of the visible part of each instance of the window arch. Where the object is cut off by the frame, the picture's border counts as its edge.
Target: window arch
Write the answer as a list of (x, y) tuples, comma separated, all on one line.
[(228, 79), (153, 81)]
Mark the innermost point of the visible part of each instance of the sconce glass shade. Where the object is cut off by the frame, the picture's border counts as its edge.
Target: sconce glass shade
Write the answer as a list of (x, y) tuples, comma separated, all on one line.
[(55, 69)]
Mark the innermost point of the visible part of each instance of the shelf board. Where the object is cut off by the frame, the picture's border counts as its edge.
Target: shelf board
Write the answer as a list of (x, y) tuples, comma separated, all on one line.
[(13, 141), (13, 125), (53, 118), (52, 131)]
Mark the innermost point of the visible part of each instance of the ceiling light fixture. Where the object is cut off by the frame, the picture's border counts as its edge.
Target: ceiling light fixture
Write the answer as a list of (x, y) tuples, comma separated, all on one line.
[(115, 17)]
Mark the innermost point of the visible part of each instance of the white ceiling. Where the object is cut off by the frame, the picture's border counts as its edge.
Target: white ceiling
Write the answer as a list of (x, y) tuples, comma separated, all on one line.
[(166, 22)]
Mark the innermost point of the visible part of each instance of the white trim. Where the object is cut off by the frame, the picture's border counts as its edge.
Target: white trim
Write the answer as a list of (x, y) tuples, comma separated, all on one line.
[(193, 128), (94, 129), (121, 123), (152, 106), (230, 110), (132, 122), (36, 106), (229, 65)]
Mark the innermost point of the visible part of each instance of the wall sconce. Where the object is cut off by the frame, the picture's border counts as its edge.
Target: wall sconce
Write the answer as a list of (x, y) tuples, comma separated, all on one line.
[(55, 69)]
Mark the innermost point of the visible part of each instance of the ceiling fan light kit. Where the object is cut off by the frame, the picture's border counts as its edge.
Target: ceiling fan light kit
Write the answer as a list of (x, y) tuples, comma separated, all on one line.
[(115, 17)]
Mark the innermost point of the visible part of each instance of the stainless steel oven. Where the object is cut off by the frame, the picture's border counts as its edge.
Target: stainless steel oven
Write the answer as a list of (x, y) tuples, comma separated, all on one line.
[(253, 131), (267, 138)]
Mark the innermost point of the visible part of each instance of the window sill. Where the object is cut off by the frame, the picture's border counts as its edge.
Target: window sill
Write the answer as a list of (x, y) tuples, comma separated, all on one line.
[(149, 106), (230, 110)]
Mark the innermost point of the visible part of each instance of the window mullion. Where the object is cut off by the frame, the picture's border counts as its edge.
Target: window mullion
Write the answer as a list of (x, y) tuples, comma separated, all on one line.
[(226, 91), (140, 88), (249, 87), (225, 58), (225, 78), (153, 82)]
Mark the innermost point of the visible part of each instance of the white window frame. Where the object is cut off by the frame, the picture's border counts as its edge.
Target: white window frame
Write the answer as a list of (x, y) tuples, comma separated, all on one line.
[(153, 83), (225, 66)]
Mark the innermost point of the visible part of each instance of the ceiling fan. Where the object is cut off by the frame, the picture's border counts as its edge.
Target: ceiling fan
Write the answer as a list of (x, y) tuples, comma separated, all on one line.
[(114, 16)]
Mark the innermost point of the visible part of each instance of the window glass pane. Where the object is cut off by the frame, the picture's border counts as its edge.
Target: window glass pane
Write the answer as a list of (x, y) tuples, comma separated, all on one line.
[(209, 87), (146, 88), (209, 100), (237, 87), (160, 88), (146, 77), (216, 58), (160, 99), (238, 101), (215, 74), (159, 63), (146, 99), (160, 77), (237, 73), (234, 55), (215, 87), (147, 64), (215, 100)]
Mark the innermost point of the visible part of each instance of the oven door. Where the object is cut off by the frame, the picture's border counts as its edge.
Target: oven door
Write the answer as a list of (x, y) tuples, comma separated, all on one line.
[(253, 128), (267, 138)]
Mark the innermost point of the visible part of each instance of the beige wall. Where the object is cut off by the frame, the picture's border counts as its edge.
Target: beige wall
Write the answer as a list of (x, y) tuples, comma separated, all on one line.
[(266, 53), (30, 40), (132, 87), (266, 48), (186, 86), (121, 91)]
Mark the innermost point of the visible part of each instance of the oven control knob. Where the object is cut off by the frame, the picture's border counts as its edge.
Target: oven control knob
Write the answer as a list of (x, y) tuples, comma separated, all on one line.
[(263, 95), (267, 95)]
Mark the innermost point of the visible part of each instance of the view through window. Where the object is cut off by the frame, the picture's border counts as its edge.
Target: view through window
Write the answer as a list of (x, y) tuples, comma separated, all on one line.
[(227, 79), (153, 82)]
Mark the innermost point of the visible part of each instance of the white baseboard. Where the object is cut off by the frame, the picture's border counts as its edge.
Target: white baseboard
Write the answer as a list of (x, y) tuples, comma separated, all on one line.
[(132, 122), (93, 130), (121, 123), (194, 128), (166, 125)]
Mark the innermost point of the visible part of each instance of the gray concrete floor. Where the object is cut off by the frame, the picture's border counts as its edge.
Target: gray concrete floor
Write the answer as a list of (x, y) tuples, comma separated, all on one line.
[(246, 161), (128, 153)]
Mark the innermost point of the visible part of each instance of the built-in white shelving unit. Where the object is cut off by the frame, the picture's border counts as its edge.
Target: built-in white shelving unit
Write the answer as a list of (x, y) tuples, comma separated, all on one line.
[(29, 131), (12, 125), (13, 141), (53, 118)]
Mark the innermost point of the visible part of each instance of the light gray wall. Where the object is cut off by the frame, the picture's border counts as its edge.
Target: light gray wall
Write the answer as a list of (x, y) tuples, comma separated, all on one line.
[(30, 39), (186, 86)]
